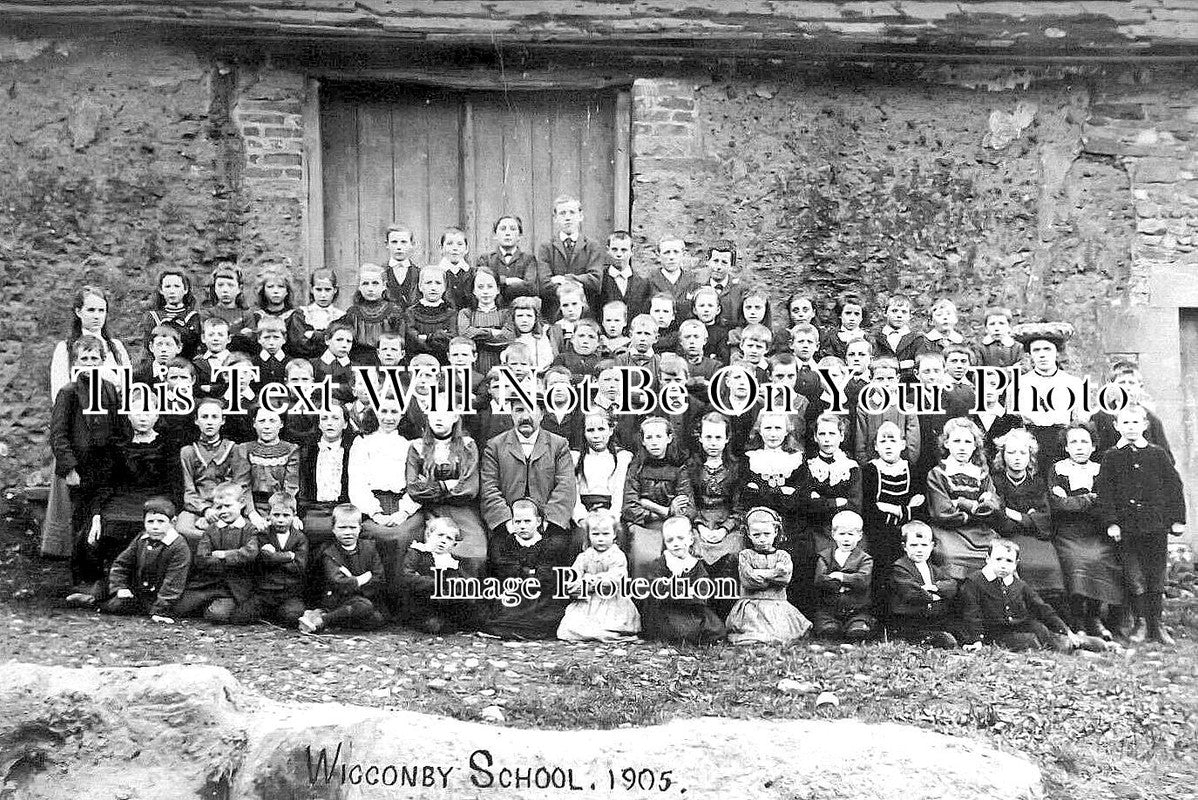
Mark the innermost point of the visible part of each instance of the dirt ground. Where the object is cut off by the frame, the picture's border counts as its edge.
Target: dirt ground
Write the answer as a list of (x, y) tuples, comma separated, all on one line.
[(1112, 725)]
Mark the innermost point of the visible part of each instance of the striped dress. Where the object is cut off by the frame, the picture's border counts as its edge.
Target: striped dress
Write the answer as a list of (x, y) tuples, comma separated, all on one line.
[(273, 468)]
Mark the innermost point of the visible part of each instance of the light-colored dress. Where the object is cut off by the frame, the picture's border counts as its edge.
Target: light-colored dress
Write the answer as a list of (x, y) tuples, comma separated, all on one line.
[(595, 617), (763, 614)]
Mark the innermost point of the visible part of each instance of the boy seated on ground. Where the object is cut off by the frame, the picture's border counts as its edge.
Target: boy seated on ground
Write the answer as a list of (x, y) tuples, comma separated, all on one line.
[(282, 564), (997, 607), (920, 593), (419, 606), (353, 574), (149, 575), (843, 575), (221, 583)]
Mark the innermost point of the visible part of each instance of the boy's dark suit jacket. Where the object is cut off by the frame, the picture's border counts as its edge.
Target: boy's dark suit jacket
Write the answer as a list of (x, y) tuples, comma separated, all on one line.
[(585, 264), (907, 595), (859, 571), (523, 266), (636, 298)]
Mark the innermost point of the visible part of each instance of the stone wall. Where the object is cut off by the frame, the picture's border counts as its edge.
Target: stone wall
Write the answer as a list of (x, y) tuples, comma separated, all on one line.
[(114, 162)]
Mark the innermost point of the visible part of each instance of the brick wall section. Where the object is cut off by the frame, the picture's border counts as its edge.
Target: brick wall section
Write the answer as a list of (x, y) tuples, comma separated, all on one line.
[(267, 113)]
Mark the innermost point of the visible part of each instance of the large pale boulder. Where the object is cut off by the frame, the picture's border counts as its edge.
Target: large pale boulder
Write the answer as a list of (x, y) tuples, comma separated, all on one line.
[(187, 732)]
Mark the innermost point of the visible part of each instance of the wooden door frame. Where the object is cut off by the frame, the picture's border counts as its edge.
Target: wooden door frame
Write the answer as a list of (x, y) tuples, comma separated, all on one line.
[(313, 165)]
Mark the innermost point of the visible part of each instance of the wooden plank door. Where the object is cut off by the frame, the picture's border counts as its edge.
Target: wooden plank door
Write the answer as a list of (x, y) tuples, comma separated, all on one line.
[(430, 158), (1186, 451)]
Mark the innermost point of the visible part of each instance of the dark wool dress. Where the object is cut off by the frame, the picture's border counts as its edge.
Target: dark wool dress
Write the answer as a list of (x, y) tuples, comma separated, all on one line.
[(1089, 558), (532, 618), (680, 619), (1038, 562)]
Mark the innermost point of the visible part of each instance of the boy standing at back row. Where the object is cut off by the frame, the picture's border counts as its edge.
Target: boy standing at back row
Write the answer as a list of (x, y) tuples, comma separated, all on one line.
[(568, 254)]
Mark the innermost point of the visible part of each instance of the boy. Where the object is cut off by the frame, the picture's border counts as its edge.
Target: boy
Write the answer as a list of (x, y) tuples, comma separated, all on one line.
[(885, 382), (613, 338), (149, 575), (721, 260), (582, 357), (335, 363), (843, 575), (620, 282), (998, 347), (353, 574), (929, 372), (706, 307), (418, 581), (299, 428), (282, 564), (997, 607), (642, 338), (661, 309), (895, 339), (958, 393), (669, 277), (1127, 376), (216, 355), (165, 344), (804, 341), (1140, 502), (569, 254), (208, 463), (221, 583), (463, 355), (270, 359), (571, 304), (920, 593), (755, 341), (509, 263), (692, 344), (402, 273)]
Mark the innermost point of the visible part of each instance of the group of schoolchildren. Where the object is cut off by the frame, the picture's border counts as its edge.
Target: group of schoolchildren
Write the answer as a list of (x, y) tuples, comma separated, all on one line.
[(959, 527)]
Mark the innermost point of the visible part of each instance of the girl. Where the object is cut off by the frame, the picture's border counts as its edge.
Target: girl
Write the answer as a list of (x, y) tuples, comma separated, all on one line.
[(763, 614), (754, 310), (680, 616), (525, 554), (442, 476), (371, 313), (705, 307), (600, 468), (998, 347), (658, 487), (601, 614), (716, 476), (306, 327), (174, 305), (996, 421), (571, 305), (889, 499), (484, 322), (1089, 559), (526, 323), (225, 301), (1025, 517), (276, 295), (419, 607), (507, 261), (432, 320), (90, 319), (613, 336), (800, 310), (85, 447), (773, 478), (962, 503), (378, 484), (459, 275), (850, 311), (831, 480)]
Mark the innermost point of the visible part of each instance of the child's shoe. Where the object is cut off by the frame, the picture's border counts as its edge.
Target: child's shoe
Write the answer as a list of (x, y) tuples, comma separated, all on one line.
[(1138, 632), (80, 600), (1157, 633), (311, 621)]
